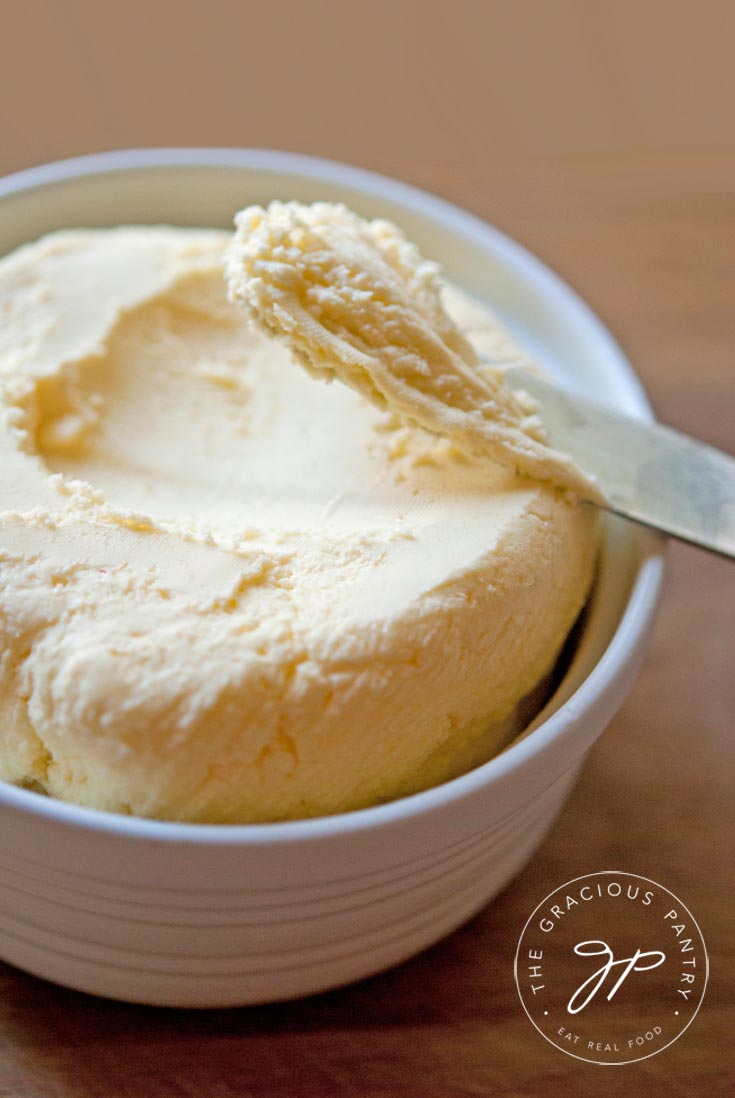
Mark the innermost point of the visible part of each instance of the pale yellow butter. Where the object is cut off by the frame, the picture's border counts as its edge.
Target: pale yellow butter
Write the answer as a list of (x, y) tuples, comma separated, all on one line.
[(355, 300), (228, 593)]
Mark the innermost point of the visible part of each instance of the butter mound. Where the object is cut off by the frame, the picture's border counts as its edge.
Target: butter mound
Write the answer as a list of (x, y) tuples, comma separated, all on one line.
[(354, 299), (226, 593)]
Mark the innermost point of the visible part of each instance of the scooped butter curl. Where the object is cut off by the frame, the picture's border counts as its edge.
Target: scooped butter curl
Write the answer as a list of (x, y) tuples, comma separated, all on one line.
[(355, 300)]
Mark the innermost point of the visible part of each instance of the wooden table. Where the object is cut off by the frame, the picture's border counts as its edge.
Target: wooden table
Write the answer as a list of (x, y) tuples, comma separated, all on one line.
[(602, 136)]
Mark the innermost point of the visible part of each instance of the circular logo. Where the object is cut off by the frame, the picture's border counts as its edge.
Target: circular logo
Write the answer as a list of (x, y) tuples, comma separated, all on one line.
[(611, 968)]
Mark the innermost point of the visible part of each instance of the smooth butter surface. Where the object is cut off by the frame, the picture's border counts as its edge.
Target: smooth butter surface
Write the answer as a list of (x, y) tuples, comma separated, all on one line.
[(228, 592)]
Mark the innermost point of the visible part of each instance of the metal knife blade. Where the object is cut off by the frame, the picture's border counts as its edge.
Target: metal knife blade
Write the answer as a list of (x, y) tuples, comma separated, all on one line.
[(647, 472)]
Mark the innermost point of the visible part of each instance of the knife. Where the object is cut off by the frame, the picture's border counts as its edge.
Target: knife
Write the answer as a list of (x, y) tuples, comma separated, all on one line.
[(647, 472)]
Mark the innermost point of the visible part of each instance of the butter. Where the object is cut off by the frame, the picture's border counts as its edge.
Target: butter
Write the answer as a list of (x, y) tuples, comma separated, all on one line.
[(354, 299), (229, 594)]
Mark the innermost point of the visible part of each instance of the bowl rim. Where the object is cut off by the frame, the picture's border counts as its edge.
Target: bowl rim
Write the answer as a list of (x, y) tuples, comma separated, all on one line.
[(643, 598)]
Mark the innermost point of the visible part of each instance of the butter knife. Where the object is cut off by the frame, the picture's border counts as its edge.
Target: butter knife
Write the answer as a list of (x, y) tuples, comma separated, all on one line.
[(647, 472)]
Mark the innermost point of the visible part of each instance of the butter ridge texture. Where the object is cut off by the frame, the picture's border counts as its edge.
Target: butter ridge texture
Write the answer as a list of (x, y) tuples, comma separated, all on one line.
[(354, 299)]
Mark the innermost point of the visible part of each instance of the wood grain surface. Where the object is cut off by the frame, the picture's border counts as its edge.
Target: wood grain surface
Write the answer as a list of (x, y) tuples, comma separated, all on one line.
[(602, 135)]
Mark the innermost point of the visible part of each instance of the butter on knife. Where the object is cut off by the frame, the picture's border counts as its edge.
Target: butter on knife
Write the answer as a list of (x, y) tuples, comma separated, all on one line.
[(355, 300)]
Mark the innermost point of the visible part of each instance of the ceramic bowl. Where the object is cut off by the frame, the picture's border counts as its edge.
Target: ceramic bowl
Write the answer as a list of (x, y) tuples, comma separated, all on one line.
[(196, 915)]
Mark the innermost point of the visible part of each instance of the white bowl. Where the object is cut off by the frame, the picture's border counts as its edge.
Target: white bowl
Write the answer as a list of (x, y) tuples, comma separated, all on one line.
[(198, 915)]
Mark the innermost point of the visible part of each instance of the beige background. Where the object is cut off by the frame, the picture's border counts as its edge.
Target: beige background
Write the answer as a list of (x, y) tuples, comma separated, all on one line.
[(602, 135)]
